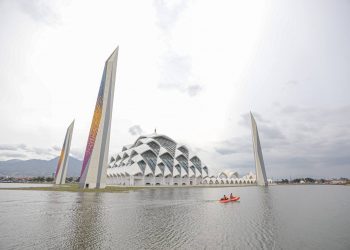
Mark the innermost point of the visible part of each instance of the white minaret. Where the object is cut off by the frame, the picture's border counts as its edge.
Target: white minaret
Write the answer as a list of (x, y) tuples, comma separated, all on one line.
[(61, 170), (94, 170), (261, 179)]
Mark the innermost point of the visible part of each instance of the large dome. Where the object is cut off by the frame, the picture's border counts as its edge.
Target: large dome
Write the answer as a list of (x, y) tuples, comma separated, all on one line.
[(156, 160)]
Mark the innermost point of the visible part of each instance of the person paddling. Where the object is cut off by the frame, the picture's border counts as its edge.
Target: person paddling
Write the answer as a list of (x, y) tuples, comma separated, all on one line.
[(225, 198), (231, 196)]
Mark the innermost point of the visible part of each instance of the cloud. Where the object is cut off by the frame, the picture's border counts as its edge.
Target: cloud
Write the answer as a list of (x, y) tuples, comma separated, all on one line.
[(245, 119), (234, 146), (12, 147), (40, 10), (290, 109), (225, 151), (23, 152), (176, 74), (77, 153), (302, 141), (168, 12), (271, 132), (175, 70), (292, 82), (135, 130), (212, 66), (7, 147), (57, 148), (12, 155), (193, 90)]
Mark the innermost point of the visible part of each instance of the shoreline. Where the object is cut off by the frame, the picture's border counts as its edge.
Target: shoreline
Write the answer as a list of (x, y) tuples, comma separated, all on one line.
[(122, 189), (113, 188), (74, 188)]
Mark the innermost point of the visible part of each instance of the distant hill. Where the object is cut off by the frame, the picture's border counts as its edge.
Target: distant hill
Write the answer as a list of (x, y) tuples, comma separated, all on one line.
[(31, 168)]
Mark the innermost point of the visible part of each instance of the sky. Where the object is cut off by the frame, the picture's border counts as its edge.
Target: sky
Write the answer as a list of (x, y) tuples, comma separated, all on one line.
[(191, 69)]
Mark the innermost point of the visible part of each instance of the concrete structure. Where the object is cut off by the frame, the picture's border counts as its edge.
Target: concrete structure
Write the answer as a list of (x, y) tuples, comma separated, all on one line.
[(155, 160), (61, 170), (261, 179), (230, 177), (93, 172)]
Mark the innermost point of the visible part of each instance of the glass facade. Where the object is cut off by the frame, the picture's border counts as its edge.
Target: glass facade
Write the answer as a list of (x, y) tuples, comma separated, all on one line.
[(142, 166), (168, 144), (205, 169), (184, 151), (117, 160), (178, 168), (130, 161), (193, 169), (154, 146), (197, 163), (183, 162), (168, 161), (161, 167), (151, 159)]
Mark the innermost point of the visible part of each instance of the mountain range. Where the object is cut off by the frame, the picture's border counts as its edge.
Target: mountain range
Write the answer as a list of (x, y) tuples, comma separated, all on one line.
[(35, 167)]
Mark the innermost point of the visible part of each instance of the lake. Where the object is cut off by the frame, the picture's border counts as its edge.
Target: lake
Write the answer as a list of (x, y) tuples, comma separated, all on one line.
[(277, 217)]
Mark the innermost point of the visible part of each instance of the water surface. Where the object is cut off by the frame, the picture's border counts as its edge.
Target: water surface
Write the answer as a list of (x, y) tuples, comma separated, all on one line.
[(277, 217)]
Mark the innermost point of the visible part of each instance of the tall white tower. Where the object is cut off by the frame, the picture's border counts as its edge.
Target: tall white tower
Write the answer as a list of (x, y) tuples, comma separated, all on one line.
[(94, 170), (61, 170), (261, 179)]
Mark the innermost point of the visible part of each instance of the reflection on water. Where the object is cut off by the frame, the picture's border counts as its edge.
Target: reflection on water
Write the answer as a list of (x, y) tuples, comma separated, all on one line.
[(23, 185), (86, 222), (278, 217)]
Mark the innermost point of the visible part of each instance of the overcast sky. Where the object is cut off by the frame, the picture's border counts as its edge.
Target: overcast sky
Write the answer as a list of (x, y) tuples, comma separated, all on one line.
[(191, 69)]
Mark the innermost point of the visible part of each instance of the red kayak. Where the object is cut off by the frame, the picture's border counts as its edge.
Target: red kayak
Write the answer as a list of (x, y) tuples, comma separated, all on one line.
[(235, 198), (224, 201)]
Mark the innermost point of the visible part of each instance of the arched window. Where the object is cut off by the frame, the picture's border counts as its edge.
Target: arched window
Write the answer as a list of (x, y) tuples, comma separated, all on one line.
[(161, 167), (168, 161), (150, 158), (197, 163), (183, 162), (193, 170), (118, 158), (154, 146), (178, 168), (142, 165), (166, 143), (133, 153), (205, 168), (183, 150)]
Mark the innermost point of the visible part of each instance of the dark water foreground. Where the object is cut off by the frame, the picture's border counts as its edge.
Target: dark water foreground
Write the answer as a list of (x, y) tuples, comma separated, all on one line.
[(277, 217)]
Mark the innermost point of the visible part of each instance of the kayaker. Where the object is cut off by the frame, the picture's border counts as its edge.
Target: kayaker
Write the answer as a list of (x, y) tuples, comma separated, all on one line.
[(231, 196), (225, 198)]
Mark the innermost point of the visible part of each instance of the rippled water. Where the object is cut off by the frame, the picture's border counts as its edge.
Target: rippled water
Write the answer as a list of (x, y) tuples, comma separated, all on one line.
[(277, 217)]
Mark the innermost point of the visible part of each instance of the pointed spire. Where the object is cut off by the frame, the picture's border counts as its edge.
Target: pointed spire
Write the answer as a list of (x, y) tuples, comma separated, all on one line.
[(258, 156), (61, 170), (93, 172), (113, 56)]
